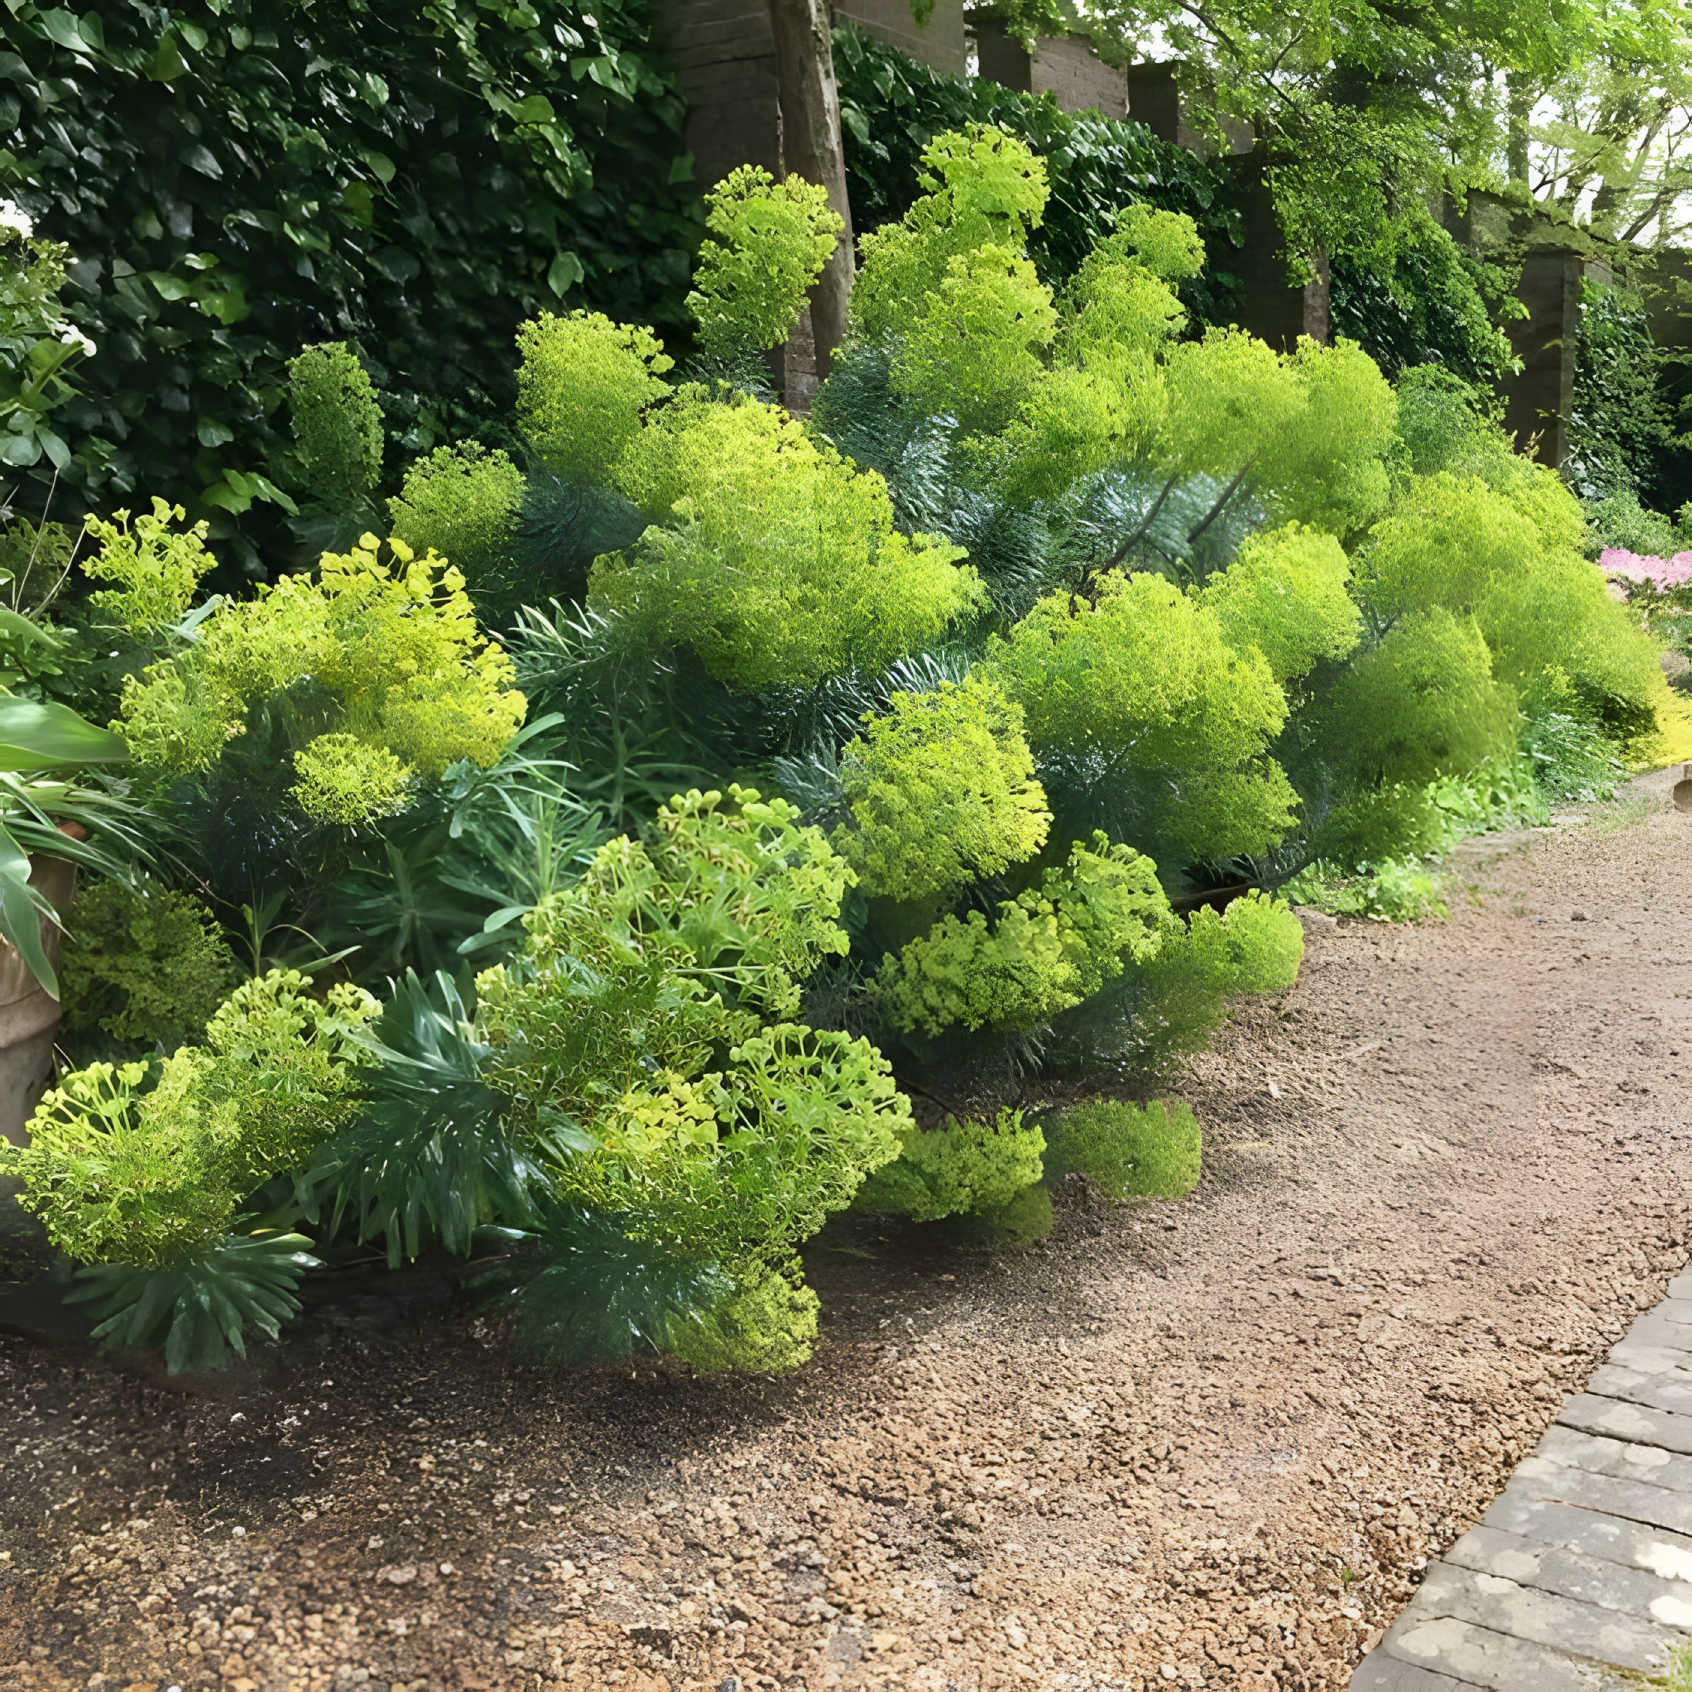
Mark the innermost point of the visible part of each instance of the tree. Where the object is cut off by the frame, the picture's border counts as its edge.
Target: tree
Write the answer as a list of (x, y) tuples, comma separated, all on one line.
[(811, 148), (1611, 142)]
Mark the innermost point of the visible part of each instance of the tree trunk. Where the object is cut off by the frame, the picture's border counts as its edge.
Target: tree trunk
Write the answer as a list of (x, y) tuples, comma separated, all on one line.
[(811, 148), (1521, 111)]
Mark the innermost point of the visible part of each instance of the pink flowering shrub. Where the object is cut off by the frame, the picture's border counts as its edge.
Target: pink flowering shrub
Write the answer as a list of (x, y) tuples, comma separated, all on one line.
[(1643, 570)]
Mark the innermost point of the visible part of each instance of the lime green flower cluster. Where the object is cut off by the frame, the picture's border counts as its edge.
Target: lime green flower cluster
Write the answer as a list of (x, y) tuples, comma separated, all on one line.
[(152, 565), (780, 563), (766, 242), (653, 1003), (144, 962), (964, 1168), (767, 1326), (1173, 1001), (1145, 677), (341, 779), (1286, 594), (583, 385), (396, 653), (463, 502), (978, 342), (942, 792), (120, 1171), (983, 188), (1044, 952), (1508, 556), (337, 424)]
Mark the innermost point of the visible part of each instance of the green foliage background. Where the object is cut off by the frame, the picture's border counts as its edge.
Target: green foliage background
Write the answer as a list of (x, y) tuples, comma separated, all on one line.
[(237, 178)]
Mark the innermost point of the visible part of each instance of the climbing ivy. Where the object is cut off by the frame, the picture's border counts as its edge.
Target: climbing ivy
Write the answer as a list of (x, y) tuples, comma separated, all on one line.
[(237, 178)]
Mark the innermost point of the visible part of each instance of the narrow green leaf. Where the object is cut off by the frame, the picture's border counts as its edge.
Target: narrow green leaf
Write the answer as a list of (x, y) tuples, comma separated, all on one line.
[(39, 734)]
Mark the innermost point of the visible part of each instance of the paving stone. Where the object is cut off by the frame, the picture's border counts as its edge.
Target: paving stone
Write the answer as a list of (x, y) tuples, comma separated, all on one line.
[(1482, 1657), (1381, 1673), (1659, 1392), (1659, 1330), (1574, 1574), (1637, 1424), (1599, 1454), (1649, 1359), (1582, 1570), (1610, 1537), (1655, 1506), (1543, 1618)]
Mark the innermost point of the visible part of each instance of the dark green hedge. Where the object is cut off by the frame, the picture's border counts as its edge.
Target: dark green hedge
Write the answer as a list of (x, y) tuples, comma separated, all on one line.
[(891, 107), (1623, 427), (239, 177), (1429, 303)]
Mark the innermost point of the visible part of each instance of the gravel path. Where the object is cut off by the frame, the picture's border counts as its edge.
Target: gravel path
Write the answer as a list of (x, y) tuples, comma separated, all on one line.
[(1204, 1445)]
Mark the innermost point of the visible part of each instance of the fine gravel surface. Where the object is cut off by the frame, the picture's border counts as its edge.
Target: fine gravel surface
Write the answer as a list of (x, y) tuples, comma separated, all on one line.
[(1207, 1444)]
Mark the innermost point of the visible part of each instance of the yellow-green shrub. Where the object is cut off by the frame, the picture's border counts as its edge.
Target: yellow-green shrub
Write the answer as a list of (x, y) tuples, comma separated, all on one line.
[(144, 962), (583, 385), (1145, 680), (942, 792), (1047, 950), (960, 1168), (152, 565), (780, 563), (1421, 704), (462, 502), (976, 345), (1285, 594), (123, 1171), (395, 653), (767, 1326), (1127, 1150), (765, 244), (1173, 1001), (982, 187)]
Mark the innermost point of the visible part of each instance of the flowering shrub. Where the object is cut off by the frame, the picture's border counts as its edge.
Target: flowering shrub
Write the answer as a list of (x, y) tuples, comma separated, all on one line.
[(780, 562), (394, 651), (942, 792), (957, 1169), (765, 244), (1044, 952), (1127, 1150), (1662, 574), (125, 1167), (1045, 617)]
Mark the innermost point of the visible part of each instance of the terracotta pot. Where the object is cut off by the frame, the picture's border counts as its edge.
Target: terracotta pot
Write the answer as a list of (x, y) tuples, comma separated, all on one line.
[(29, 1015)]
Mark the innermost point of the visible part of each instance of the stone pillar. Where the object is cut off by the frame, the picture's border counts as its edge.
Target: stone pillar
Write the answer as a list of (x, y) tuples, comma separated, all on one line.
[(1271, 307), (1064, 66), (1156, 99), (941, 43), (1537, 402), (723, 55)]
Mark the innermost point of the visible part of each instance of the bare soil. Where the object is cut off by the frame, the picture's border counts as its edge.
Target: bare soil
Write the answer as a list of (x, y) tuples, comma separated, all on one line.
[(1207, 1444)]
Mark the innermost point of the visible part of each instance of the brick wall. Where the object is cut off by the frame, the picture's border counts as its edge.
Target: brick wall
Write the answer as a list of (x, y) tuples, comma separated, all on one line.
[(724, 59), (1064, 66), (940, 42)]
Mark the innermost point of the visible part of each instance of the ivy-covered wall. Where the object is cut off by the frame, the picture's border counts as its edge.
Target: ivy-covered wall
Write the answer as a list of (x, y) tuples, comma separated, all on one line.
[(238, 177)]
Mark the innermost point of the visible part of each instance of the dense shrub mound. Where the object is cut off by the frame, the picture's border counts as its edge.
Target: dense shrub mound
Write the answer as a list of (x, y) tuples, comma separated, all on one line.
[(689, 798)]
